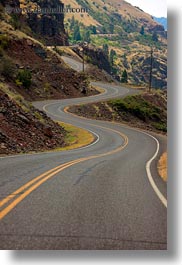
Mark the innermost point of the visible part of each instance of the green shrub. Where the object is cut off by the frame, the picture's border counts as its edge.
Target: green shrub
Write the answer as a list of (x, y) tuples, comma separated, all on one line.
[(160, 126), (47, 87), (4, 41), (24, 77), (7, 67), (15, 21), (138, 107)]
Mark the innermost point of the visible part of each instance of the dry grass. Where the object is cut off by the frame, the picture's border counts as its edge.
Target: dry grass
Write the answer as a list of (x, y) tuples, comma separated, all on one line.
[(119, 6), (99, 89), (162, 166), (76, 137), (86, 19), (25, 105), (6, 28), (127, 10), (27, 4), (68, 51)]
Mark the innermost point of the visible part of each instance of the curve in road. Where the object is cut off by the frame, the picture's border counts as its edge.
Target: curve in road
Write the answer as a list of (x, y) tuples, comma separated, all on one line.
[(100, 198)]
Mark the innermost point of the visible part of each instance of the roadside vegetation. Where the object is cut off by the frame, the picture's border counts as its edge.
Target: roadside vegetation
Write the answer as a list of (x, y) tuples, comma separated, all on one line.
[(141, 108), (147, 111), (75, 137), (128, 32)]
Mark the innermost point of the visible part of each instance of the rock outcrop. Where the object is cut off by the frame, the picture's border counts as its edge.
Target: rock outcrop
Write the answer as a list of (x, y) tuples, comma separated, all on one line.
[(96, 57), (49, 25)]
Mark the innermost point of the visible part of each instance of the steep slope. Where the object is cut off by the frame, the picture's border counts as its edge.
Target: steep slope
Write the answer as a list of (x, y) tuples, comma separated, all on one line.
[(49, 76), (45, 26), (31, 70), (129, 32), (48, 26), (119, 12), (24, 57), (25, 129), (162, 21), (86, 18)]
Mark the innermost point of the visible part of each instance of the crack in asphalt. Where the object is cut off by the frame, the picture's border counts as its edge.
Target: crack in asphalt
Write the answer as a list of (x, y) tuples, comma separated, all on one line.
[(87, 171)]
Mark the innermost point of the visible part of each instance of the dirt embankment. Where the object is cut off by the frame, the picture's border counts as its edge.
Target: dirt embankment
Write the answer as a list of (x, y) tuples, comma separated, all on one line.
[(48, 76), (51, 78), (25, 129), (145, 111)]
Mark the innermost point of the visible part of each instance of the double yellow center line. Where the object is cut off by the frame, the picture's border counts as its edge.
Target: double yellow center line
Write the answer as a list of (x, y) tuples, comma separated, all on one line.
[(12, 200)]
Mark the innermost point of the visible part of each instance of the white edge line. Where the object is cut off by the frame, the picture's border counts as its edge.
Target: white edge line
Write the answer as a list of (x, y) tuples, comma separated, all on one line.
[(148, 164), (93, 143), (48, 152), (95, 134), (148, 167), (151, 180)]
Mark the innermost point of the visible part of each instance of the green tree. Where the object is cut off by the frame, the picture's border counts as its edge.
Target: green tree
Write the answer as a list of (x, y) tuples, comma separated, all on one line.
[(155, 37), (104, 31), (94, 30), (111, 56), (105, 48), (111, 28), (124, 78), (86, 36), (76, 33), (142, 30), (72, 23)]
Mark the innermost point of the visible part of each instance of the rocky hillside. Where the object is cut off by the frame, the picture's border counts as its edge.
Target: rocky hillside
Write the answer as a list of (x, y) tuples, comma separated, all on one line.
[(29, 66), (101, 11), (23, 128), (30, 70), (36, 72), (126, 34)]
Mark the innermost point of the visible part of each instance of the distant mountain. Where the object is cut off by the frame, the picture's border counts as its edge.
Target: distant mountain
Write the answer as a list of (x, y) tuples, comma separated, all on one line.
[(102, 13), (122, 33), (125, 33), (162, 21)]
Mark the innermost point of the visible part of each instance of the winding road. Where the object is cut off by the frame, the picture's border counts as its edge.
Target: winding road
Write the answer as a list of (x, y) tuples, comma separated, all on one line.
[(107, 195)]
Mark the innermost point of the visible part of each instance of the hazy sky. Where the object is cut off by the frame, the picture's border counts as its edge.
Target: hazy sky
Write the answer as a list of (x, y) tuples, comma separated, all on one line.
[(157, 8)]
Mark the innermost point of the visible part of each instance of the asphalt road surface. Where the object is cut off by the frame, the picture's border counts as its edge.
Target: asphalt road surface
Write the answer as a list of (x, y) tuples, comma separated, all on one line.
[(107, 195), (75, 64)]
